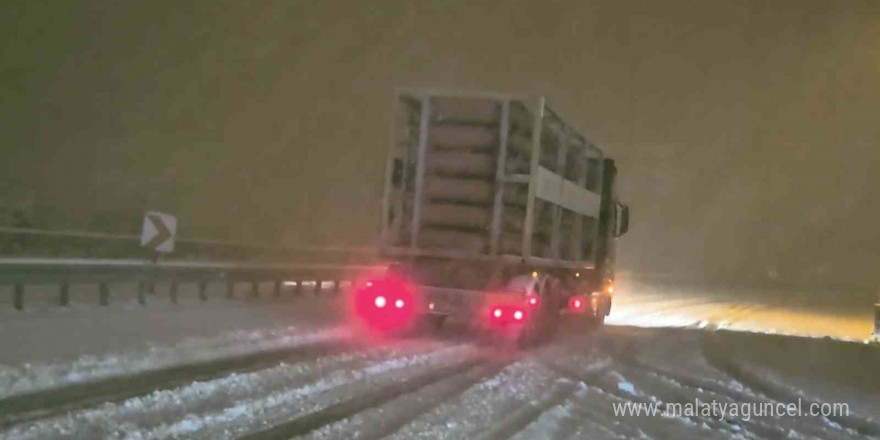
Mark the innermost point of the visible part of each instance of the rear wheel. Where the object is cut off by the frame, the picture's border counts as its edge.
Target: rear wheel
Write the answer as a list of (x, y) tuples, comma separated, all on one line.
[(527, 338), (428, 324), (598, 319), (549, 309), (436, 322)]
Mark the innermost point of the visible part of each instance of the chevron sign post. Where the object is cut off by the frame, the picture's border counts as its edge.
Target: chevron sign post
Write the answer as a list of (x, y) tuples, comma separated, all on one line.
[(159, 232)]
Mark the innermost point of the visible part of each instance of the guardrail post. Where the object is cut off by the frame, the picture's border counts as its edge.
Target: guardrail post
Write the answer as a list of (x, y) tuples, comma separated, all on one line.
[(203, 290), (877, 319), (64, 294), (18, 299), (298, 289), (230, 289), (336, 286), (276, 288), (141, 294), (255, 289), (317, 287), (172, 291), (103, 294)]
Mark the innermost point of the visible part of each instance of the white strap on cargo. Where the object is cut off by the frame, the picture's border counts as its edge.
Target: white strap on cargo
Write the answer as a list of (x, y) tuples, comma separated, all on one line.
[(557, 190)]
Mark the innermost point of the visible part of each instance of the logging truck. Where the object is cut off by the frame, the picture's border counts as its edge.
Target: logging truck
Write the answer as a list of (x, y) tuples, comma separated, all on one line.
[(496, 212)]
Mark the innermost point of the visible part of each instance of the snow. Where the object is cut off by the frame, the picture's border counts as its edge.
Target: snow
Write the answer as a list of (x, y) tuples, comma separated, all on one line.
[(29, 378), (40, 350), (546, 425), (229, 403), (628, 387), (849, 317), (622, 383), (618, 363), (481, 405)]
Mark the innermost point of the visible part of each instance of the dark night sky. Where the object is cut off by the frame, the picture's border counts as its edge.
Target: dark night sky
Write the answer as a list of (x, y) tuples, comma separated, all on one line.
[(746, 131)]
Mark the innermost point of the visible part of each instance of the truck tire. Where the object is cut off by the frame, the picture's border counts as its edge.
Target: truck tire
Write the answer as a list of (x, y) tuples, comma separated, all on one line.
[(598, 319), (430, 324), (553, 302), (435, 322), (527, 339)]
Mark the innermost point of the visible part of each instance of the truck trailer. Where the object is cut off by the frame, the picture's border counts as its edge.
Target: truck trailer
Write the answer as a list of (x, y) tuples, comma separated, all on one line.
[(496, 212)]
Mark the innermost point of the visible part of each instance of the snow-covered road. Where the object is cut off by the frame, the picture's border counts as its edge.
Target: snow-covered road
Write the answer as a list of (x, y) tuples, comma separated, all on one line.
[(450, 388), (275, 369)]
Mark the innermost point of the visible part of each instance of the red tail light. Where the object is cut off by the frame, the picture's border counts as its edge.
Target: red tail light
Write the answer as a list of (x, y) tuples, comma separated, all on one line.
[(533, 301), (385, 304), (576, 304), (501, 315), (380, 301)]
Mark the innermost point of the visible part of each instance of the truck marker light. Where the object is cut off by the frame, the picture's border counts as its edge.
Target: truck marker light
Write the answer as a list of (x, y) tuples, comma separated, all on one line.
[(576, 304), (380, 301), (610, 288), (431, 306), (577, 274), (496, 313), (533, 301), (534, 274), (518, 315), (398, 304), (369, 284)]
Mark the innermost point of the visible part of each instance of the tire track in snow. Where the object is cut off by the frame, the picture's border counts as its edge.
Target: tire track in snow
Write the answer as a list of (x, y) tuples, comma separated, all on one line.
[(663, 386), (47, 403), (607, 387), (651, 387), (585, 414), (286, 403), (178, 407), (383, 421), (592, 411), (713, 352), (489, 400), (31, 378), (660, 385), (311, 421), (606, 378), (528, 413)]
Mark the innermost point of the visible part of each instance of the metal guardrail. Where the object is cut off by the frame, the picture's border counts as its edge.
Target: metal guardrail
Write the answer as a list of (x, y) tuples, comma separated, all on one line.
[(202, 241), (20, 272), (33, 242)]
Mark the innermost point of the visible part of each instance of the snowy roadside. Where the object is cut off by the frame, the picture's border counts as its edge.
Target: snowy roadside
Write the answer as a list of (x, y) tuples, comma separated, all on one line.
[(41, 350), (227, 406), (842, 315)]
